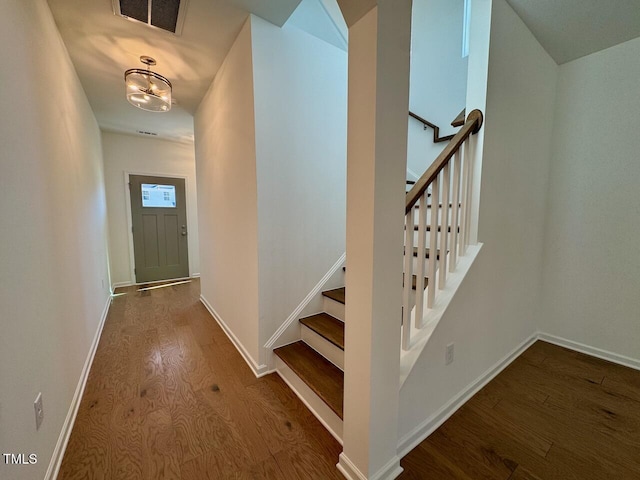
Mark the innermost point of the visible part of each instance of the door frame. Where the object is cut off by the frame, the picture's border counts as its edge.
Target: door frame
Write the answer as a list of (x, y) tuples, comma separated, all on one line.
[(127, 196)]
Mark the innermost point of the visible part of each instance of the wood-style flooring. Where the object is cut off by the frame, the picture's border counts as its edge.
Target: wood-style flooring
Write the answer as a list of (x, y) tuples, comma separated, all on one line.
[(169, 397), (552, 414)]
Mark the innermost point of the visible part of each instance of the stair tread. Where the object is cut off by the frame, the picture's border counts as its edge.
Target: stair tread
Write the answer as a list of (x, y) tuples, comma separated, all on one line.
[(427, 253), (328, 327), (413, 283), (323, 377), (417, 205), (337, 294), (417, 227)]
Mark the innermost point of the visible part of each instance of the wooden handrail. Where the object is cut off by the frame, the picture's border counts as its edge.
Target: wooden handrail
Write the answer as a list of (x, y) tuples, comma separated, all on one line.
[(471, 126), (436, 129)]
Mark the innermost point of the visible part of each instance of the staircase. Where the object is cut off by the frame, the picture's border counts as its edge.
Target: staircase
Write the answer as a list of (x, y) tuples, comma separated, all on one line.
[(314, 366)]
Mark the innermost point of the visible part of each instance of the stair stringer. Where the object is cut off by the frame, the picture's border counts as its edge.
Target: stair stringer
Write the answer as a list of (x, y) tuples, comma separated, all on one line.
[(432, 316), (289, 331)]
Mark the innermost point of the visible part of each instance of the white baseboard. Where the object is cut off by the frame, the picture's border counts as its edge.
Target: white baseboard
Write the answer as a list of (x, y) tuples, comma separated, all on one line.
[(592, 351), (390, 471), (258, 370), (67, 426), (130, 283), (431, 424), (120, 284), (348, 469), (413, 438)]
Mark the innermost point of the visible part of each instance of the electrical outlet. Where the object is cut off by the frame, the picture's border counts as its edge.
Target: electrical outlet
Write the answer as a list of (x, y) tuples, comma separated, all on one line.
[(448, 357), (37, 406)]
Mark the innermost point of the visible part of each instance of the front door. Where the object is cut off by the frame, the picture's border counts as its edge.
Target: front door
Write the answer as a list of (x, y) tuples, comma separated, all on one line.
[(159, 216)]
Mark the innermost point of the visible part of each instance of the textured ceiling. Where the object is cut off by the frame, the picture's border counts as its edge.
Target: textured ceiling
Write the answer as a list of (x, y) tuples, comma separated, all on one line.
[(102, 46), (570, 29)]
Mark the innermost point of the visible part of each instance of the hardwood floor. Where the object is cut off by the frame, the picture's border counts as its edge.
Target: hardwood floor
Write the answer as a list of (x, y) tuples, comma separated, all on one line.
[(169, 397), (552, 414)]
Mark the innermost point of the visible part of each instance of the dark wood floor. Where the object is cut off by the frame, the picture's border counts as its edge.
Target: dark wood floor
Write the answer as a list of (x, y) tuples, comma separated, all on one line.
[(169, 397), (552, 414)]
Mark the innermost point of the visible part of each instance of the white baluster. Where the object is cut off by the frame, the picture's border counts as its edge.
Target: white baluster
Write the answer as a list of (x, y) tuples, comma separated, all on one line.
[(465, 200), (433, 241), (422, 253), (408, 267), (444, 234), (453, 260), (469, 153)]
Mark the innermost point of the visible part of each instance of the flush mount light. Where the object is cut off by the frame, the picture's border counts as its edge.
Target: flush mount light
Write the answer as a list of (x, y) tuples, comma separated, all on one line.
[(148, 90)]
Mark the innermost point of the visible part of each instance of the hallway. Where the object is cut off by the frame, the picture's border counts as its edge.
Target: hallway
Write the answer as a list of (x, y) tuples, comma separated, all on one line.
[(169, 396)]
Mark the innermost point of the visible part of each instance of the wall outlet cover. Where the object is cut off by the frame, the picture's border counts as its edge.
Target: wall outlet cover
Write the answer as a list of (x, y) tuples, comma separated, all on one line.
[(449, 354)]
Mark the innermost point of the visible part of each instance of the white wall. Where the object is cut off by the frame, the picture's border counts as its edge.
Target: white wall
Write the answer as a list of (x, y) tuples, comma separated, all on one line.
[(300, 87), (151, 156), (438, 76), (228, 196), (592, 253), (495, 308), (421, 150), (322, 19), (477, 73), (54, 280), (271, 166)]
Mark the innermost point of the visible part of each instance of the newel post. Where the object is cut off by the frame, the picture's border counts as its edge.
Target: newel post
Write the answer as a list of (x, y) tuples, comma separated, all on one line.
[(378, 104)]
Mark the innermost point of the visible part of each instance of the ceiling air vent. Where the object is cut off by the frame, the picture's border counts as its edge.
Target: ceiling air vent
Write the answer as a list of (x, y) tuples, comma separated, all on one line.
[(165, 14), (142, 132)]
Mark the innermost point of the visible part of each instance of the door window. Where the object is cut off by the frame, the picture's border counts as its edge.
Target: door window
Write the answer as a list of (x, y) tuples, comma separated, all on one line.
[(158, 196)]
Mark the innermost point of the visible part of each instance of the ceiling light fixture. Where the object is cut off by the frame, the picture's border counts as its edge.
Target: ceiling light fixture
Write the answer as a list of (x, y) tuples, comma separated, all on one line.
[(148, 90)]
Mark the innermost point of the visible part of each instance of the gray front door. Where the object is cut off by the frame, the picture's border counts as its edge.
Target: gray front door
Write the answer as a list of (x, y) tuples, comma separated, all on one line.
[(159, 215)]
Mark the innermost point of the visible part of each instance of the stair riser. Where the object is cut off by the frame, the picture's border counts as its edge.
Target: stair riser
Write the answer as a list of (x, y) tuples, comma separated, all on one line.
[(314, 403), (428, 239), (416, 239), (325, 348), (333, 308)]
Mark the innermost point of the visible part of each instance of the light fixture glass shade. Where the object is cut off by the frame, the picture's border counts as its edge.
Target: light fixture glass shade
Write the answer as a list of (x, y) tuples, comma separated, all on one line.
[(148, 90)]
